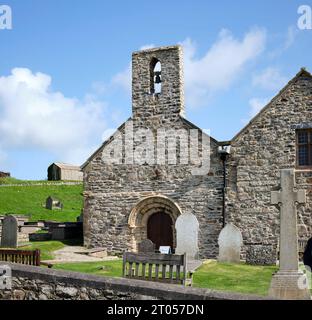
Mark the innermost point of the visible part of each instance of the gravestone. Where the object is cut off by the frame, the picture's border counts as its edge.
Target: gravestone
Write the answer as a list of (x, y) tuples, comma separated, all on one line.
[(230, 241), (289, 282), (187, 227), (52, 203), (146, 246), (9, 232)]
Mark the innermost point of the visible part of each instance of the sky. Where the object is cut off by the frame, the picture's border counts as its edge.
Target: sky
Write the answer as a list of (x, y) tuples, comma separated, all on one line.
[(65, 72)]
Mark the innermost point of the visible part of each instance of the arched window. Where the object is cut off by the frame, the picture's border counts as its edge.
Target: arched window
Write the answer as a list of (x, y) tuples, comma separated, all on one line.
[(155, 71)]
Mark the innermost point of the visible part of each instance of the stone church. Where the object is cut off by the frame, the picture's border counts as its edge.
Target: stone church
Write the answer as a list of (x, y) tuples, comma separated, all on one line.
[(137, 197)]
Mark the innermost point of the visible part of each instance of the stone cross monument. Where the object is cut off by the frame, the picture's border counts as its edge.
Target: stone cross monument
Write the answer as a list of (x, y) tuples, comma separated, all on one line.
[(286, 282)]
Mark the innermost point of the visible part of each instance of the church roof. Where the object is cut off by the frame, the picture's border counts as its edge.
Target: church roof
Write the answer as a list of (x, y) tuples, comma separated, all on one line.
[(185, 121), (102, 146), (302, 72)]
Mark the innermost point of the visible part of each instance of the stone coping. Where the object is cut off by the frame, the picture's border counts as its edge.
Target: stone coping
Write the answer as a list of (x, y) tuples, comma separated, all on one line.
[(146, 288)]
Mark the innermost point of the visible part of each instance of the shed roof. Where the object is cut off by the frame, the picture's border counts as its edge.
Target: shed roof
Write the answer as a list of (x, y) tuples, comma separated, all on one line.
[(65, 166)]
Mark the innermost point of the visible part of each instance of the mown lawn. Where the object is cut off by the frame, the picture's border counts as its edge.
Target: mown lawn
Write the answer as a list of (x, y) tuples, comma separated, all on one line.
[(213, 275), (29, 200), (111, 268), (234, 277), (48, 247)]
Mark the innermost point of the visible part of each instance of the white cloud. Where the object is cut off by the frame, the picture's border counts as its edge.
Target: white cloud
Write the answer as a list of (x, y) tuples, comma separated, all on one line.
[(34, 116), (269, 79), (256, 104), (221, 64), (285, 41), (215, 70), (147, 46), (292, 32), (123, 79)]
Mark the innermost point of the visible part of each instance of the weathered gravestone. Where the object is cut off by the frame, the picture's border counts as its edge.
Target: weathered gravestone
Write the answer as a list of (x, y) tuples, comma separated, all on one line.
[(289, 282), (230, 242), (52, 203), (146, 246), (187, 227), (9, 232)]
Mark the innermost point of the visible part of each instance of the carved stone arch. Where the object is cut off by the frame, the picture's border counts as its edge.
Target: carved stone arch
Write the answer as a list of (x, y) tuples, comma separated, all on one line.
[(143, 210)]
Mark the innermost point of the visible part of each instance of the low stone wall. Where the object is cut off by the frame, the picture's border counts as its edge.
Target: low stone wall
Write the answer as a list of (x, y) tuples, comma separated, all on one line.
[(36, 283), (261, 254)]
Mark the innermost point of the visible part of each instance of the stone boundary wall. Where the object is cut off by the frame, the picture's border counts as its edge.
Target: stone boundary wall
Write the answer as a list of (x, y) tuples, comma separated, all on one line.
[(36, 283)]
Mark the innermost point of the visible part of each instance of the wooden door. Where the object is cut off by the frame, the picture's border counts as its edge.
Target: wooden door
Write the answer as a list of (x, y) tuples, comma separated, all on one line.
[(159, 229)]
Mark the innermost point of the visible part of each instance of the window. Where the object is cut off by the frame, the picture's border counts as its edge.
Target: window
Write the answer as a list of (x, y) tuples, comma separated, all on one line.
[(304, 148), (155, 71)]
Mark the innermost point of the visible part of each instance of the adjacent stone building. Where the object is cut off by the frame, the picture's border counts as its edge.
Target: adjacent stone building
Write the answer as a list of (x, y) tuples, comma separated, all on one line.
[(63, 171), (279, 136), (134, 191)]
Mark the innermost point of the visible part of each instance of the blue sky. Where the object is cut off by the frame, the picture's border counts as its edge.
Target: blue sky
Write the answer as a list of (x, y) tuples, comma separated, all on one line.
[(65, 76)]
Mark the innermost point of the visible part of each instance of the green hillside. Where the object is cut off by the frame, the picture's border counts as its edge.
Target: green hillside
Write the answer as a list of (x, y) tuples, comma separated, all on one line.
[(29, 199)]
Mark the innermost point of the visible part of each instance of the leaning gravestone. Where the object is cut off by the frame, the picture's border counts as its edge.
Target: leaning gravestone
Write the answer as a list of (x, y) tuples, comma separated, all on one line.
[(187, 227), (230, 242), (9, 232), (289, 282), (146, 246)]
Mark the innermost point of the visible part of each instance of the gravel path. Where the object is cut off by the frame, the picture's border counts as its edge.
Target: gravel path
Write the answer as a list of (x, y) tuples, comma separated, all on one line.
[(75, 254)]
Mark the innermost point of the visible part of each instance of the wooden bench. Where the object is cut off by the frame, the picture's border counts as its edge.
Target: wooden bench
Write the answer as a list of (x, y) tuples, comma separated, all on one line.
[(169, 268), (29, 257)]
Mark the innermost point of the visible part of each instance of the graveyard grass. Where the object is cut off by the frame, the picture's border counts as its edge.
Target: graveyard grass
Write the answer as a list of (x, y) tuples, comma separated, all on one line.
[(213, 275), (30, 199), (47, 248)]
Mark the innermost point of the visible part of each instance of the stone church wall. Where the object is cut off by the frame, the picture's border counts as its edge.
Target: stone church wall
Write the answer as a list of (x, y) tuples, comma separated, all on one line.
[(113, 191), (258, 153)]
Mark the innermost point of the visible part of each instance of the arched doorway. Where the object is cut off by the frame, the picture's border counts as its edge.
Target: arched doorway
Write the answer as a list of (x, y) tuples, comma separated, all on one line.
[(159, 229), (139, 220)]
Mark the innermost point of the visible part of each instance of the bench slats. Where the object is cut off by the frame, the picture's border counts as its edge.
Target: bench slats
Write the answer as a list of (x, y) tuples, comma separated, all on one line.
[(153, 264), (163, 272), (143, 270), (155, 258), (29, 257), (150, 271), (156, 271)]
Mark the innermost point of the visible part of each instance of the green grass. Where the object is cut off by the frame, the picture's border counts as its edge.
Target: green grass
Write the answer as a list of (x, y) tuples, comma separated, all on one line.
[(111, 268), (46, 248), (213, 275), (234, 277), (30, 200), (11, 180)]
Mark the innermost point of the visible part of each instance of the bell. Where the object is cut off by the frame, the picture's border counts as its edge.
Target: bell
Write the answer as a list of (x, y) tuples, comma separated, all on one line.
[(157, 77)]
